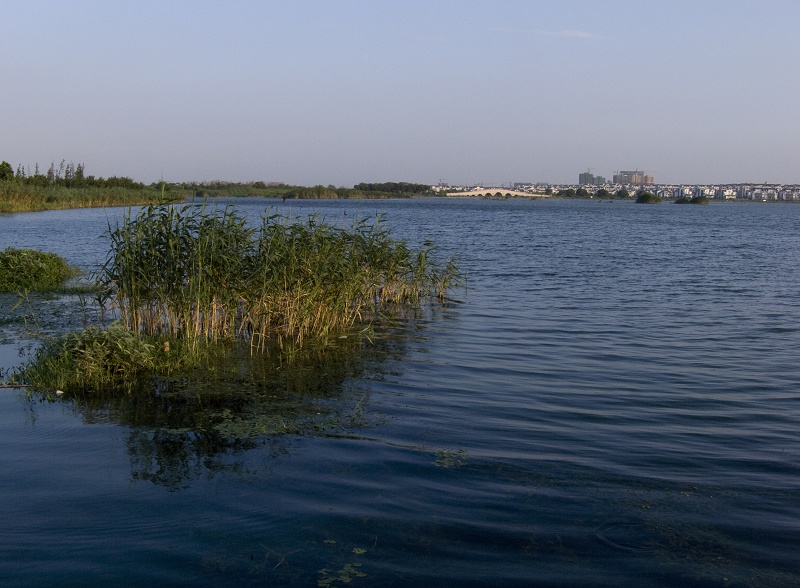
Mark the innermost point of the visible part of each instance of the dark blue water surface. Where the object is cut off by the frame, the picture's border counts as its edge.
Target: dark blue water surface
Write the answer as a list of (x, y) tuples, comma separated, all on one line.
[(616, 401)]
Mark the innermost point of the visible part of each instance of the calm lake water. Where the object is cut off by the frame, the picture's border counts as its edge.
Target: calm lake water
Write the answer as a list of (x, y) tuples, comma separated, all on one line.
[(614, 401)]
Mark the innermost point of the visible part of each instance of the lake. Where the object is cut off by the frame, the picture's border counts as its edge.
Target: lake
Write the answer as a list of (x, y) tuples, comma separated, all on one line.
[(614, 399)]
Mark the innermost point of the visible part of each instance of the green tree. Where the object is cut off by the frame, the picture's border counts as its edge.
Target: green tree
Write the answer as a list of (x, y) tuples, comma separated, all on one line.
[(6, 171), (645, 197), (622, 193), (393, 187)]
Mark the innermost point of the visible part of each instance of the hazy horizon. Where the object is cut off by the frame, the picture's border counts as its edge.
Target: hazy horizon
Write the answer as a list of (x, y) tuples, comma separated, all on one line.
[(467, 92)]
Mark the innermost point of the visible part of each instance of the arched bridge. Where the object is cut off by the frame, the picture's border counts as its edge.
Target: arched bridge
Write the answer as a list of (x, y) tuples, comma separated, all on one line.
[(497, 193)]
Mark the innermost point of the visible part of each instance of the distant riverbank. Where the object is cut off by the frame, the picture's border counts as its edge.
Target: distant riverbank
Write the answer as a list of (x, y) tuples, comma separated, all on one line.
[(19, 197)]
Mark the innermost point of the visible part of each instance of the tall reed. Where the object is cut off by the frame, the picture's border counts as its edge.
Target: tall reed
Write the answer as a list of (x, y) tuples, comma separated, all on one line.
[(205, 275)]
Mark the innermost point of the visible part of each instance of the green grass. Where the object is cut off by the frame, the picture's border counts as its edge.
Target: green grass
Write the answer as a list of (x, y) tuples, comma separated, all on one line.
[(27, 269)]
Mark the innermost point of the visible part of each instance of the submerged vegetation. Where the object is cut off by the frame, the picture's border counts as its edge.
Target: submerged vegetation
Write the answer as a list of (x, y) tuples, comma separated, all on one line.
[(194, 421), (27, 269), (185, 282)]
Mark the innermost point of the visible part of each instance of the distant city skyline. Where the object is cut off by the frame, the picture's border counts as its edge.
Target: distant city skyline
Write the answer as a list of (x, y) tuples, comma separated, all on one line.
[(468, 91)]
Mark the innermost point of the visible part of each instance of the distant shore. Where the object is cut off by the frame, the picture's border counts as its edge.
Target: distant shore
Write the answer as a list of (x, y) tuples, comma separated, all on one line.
[(38, 193), (20, 197)]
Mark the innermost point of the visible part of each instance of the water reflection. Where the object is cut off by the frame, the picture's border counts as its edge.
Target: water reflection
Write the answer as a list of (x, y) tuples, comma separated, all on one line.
[(29, 316), (196, 426)]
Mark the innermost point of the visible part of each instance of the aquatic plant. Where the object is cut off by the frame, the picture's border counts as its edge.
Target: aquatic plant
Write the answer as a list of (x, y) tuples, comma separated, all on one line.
[(189, 283), (204, 274), (190, 415), (102, 359), (29, 269)]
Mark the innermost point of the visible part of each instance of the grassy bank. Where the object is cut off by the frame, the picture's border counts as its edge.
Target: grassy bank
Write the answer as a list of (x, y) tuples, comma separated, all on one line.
[(21, 197)]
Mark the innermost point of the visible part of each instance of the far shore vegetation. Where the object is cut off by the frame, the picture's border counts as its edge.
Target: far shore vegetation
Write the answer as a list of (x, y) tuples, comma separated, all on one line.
[(694, 200), (67, 185), (645, 197), (601, 194)]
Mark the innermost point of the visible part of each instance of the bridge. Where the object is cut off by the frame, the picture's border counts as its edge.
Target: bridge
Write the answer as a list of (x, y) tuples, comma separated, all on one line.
[(496, 193)]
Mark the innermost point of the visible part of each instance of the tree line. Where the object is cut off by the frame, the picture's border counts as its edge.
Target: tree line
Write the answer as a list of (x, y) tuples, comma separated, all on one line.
[(393, 187), (69, 175), (584, 193)]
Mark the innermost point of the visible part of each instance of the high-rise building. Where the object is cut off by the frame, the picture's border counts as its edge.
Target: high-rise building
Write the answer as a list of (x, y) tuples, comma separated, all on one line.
[(588, 179), (633, 177)]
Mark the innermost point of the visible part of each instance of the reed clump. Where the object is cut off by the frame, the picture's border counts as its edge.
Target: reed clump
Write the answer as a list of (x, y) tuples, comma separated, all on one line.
[(189, 283), (205, 275), (31, 270)]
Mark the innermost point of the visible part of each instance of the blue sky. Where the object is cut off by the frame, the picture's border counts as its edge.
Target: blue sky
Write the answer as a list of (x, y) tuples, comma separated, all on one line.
[(340, 92)]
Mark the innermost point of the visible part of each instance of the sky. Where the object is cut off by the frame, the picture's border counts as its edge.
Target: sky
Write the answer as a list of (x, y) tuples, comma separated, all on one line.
[(346, 91)]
